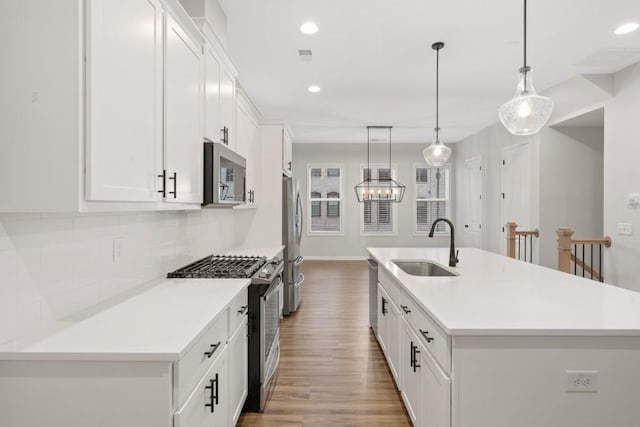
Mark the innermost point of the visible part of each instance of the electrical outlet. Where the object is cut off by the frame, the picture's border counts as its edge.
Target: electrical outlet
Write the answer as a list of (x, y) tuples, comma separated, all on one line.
[(582, 381), (625, 229)]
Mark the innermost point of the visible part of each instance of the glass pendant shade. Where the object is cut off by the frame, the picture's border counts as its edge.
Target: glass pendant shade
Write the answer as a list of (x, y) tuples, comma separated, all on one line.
[(437, 153), (527, 112)]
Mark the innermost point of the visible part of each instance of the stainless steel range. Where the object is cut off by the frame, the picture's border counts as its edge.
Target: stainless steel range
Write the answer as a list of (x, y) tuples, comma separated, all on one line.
[(264, 314)]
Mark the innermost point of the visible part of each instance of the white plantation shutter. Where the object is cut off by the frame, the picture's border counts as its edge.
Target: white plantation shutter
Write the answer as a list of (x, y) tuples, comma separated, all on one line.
[(432, 198), (378, 217), (325, 199)]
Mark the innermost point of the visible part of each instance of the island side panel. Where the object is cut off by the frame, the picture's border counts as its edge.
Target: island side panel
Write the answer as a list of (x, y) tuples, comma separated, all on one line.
[(522, 381), (97, 394)]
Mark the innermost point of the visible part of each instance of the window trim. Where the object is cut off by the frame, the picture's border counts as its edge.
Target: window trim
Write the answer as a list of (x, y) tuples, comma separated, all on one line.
[(446, 199), (394, 206), (340, 200)]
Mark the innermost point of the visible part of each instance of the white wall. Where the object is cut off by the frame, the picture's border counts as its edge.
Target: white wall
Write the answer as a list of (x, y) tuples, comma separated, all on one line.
[(352, 244), (621, 177), (56, 265)]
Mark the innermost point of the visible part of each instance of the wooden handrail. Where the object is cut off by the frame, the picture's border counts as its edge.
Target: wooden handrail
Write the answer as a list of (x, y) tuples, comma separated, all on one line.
[(565, 256), (535, 233), (512, 233)]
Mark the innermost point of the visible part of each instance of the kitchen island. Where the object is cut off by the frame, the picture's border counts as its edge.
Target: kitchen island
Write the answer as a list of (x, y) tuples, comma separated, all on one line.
[(507, 343)]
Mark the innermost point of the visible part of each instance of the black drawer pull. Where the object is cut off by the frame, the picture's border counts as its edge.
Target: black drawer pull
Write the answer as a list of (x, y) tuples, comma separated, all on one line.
[(426, 336), (416, 352), (175, 184), (211, 403), (212, 350), (405, 309), (163, 175), (384, 306), (215, 398), (243, 309)]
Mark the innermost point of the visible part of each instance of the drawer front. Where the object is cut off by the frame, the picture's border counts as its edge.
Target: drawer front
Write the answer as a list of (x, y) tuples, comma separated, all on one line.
[(238, 310), (206, 350), (389, 284), (431, 335)]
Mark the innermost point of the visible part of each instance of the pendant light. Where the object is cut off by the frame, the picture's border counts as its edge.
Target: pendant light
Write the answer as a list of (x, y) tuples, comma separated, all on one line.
[(379, 189), (437, 153), (527, 112)]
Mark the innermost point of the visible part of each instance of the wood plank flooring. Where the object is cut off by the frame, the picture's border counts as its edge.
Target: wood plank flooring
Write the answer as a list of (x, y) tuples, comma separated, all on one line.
[(332, 371)]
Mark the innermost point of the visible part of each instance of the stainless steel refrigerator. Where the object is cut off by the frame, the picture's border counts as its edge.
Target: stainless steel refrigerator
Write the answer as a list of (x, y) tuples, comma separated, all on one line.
[(292, 223)]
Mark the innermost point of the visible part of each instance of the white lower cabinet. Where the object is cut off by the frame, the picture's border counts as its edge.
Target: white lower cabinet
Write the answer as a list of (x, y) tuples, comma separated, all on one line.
[(208, 405), (435, 393), (417, 353), (410, 367), (238, 361)]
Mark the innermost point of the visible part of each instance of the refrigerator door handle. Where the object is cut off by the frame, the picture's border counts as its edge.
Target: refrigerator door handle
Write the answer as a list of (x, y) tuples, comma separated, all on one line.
[(299, 217), (298, 261)]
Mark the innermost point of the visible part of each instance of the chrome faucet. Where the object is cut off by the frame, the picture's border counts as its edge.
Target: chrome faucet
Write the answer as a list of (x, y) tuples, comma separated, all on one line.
[(453, 254)]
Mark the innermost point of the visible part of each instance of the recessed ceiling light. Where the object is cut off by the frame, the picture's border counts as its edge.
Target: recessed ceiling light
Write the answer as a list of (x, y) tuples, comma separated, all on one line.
[(627, 28), (309, 28), (314, 88)]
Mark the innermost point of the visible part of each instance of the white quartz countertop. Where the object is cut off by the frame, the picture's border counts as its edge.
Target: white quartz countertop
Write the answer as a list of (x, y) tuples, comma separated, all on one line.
[(158, 324), (497, 295)]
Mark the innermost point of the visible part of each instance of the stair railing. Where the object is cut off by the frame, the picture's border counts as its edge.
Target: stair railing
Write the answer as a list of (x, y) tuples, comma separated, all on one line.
[(520, 239), (581, 254)]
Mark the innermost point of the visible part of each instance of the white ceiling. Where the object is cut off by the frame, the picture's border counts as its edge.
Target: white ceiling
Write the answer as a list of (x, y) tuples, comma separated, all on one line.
[(374, 62)]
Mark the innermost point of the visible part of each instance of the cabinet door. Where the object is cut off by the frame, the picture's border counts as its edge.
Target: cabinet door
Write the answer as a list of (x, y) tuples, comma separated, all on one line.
[(208, 404), (124, 100), (247, 145), (238, 371), (383, 318), (212, 124), (228, 105), (435, 393), (393, 342), (410, 367), (287, 152), (183, 110)]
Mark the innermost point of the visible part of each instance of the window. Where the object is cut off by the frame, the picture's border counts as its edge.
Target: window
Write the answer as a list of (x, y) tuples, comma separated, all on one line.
[(325, 199), (431, 198), (378, 217)]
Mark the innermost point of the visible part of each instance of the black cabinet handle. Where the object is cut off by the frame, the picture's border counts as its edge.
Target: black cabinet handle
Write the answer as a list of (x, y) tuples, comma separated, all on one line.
[(426, 336), (289, 165), (415, 357), (175, 184), (384, 306), (405, 309), (212, 350), (225, 135), (163, 175), (411, 355), (211, 403), (243, 309), (217, 382)]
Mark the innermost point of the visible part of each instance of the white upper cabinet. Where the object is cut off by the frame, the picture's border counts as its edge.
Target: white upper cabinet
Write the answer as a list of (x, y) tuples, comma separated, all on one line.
[(248, 145), (228, 106), (124, 100), (212, 95), (287, 153), (183, 116)]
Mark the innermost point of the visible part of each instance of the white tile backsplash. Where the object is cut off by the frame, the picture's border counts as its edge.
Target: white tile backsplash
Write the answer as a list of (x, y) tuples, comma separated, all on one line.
[(53, 267)]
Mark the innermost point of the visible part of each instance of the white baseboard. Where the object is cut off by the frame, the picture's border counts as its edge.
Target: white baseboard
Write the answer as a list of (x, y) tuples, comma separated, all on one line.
[(334, 258)]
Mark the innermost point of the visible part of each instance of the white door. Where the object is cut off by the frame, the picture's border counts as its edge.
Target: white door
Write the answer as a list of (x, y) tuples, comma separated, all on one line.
[(516, 188), (228, 105), (473, 203), (124, 100), (184, 130), (383, 319), (393, 343), (410, 371)]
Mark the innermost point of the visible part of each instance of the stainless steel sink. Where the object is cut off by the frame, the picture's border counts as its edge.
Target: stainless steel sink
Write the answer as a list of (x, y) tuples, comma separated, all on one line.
[(423, 268)]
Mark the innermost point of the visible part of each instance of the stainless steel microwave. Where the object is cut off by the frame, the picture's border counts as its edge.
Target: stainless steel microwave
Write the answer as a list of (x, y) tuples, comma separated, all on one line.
[(224, 176)]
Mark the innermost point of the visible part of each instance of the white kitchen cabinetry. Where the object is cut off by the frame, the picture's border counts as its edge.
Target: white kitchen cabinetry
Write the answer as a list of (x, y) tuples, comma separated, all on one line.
[(287, 153), (248, 145), (389, 332), (85, 128), (183, 116), (435, 393), (164, 358), (410, 371)]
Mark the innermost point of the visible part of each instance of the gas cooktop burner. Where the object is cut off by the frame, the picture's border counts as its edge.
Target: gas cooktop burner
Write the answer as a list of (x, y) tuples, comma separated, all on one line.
[(217, 266)]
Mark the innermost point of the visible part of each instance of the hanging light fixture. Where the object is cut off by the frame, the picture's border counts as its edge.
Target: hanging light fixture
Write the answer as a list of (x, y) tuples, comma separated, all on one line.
[(379, 189), (437, 153), (527, 112)]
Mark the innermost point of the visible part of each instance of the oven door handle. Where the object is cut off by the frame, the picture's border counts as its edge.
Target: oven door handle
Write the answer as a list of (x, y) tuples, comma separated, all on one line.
[(275, 285)]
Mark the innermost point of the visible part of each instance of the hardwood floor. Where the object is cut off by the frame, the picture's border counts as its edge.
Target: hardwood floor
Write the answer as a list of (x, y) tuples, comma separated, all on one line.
[(332, 371)]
